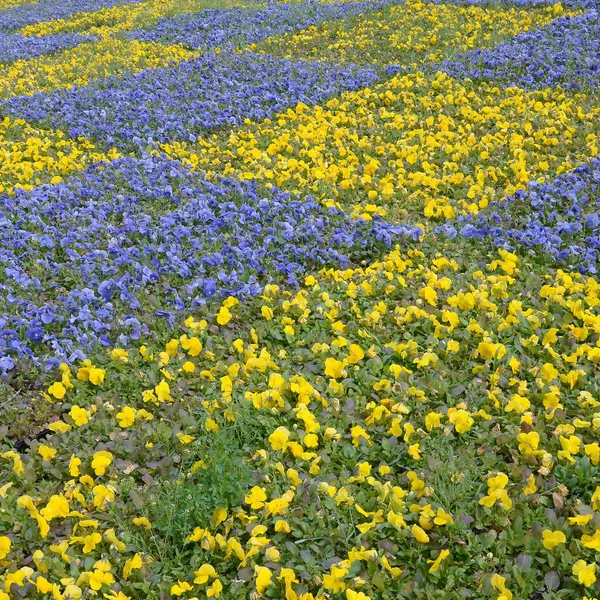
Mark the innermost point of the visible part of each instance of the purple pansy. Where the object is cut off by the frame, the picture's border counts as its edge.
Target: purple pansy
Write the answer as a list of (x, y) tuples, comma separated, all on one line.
[(21, 15), (180, 102), (15, 46), (247, 25), (566, 53), (95, 259), (559, 219)]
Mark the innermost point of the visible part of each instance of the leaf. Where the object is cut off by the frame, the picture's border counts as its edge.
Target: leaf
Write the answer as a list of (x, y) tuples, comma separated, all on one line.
[(524, 562), (334, 560), (558, 500), (552, 580), (389, 546), (457, 391), (466, 519)]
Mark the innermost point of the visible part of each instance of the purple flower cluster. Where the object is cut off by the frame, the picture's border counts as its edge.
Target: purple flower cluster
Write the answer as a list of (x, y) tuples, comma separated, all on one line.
[(240, 26), (560, 219), (15, 46), (142, 109), (22, 15), (566, 53), (94, 259)]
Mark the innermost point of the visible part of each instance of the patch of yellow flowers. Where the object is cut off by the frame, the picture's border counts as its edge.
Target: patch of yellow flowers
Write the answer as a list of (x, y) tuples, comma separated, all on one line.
[(84, 63), (4, 4), (31, 156), (111, 20), (415, 146), (411, 33), (524, 349)]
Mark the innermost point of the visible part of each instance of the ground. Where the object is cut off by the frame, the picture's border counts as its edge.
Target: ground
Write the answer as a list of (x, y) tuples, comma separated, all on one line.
[(299, 300)]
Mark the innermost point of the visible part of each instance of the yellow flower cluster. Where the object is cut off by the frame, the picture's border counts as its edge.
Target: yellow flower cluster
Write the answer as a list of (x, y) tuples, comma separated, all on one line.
[(30, 156), (410, 33), (4, 4), (107, 21), (416, 145), (84, 63), (505, 372)]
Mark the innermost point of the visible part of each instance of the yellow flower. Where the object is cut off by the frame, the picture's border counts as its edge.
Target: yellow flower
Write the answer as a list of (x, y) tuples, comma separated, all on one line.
[(219, 515), (352, 595), (72, 592), (356, 354), (489, 350), (215, 589), (101, 461), (443, 518), (282, 525), (272, 554), (142, 522), (499, 583), (194, 325), (62, 550), (277, 506), (135, 562), (112, 595), (5, 544), (223, 316), (413, 451), (528, 442), (279, 438), (429, 295), (204, 573), (531, 487), (263, 578), (358, 434), (119, 355), (435, 564), (256, 498), (99, 578), (180, 587), (191, 345), (126, 416), (553, 538), (58, 506), (548, 372), (592, 541), (110, 536), (518, 404), (188, 367), (433, 420), (74, 463), (496, 492), (79, 415), (267, 312), (96, 376), (42, 585), (103, 495), (211, 425), (581, 519), (593, 451), (57, 390), (461, 420), (419, 534), (90, 542), (59, 427), (586, 574), (334, 368), (46, 452)]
